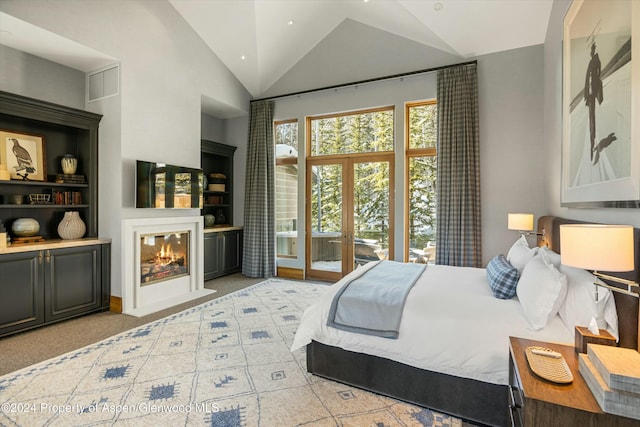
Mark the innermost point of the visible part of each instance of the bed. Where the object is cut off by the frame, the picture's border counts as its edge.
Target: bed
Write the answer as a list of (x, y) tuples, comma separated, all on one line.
[(468, 377)]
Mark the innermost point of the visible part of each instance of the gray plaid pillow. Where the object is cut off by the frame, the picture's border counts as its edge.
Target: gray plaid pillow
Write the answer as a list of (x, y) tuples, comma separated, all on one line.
[(503, 277)]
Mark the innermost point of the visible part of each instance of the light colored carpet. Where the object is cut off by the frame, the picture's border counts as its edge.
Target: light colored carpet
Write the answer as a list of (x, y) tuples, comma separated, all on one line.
[(223, 363)]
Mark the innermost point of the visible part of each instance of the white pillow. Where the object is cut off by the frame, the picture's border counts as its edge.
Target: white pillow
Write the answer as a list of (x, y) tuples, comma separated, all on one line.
[(520, 253), (552, 257), (580, 306), (541, 291)]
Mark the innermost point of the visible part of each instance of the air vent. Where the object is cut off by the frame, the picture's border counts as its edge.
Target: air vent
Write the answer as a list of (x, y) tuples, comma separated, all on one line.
[(104, 83)]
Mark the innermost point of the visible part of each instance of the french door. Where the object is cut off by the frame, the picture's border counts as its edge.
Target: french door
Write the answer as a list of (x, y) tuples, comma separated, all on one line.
[(349, 213)]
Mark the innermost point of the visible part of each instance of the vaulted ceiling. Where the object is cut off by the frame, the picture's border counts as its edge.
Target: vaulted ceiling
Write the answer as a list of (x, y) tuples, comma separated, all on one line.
[(281, 46), (262, 41)]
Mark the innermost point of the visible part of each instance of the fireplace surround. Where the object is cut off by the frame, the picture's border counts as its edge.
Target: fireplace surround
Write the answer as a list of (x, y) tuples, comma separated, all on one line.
[(163, 261)]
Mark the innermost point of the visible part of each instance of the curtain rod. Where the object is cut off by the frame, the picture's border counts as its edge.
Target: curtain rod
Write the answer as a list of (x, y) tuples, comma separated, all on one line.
[(375, 79)]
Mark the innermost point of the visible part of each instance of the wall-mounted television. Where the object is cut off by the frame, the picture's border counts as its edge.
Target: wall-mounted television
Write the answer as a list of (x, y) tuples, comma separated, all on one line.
[(159, 185)]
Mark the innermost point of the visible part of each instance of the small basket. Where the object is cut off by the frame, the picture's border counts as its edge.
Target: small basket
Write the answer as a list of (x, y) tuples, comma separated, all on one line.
[(39, 199)]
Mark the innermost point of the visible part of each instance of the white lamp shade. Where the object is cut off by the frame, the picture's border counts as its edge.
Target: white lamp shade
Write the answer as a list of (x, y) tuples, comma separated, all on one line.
[(520, 221), (597, 247)]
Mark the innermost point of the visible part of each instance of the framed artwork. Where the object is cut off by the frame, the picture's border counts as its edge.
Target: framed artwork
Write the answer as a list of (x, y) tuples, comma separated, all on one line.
[(600, 99), (23, 154)]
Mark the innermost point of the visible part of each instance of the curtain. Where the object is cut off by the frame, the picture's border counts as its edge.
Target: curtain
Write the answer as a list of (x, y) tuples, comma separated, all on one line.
[(458, 236), (259, 229)]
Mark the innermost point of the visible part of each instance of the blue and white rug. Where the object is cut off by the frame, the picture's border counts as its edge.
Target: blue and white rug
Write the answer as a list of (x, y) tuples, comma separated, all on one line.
[(223, 363)]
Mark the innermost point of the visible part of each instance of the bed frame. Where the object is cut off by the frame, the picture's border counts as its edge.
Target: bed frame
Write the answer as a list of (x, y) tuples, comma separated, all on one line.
[(471, 400)]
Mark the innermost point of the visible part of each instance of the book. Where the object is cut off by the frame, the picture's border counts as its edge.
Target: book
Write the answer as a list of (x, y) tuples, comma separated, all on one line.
[(619, 367), (612, 401)]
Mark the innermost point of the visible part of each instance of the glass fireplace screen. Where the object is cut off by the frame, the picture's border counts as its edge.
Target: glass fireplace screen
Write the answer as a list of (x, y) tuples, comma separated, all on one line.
[(163, 256)]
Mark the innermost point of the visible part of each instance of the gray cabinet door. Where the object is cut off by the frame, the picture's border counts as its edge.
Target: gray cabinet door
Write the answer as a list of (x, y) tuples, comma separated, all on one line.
[(72, 281), (21, 292), (232, 250), (212, 256)]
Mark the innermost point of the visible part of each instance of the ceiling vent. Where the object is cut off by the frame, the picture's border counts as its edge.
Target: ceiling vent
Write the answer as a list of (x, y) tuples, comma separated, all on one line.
[(103, 83)]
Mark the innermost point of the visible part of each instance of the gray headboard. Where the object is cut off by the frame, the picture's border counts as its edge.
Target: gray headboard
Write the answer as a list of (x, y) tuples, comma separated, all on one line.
[(627, 306)]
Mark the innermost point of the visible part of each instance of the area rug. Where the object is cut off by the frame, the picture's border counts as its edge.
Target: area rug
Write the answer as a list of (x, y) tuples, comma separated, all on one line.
[(223, 363)]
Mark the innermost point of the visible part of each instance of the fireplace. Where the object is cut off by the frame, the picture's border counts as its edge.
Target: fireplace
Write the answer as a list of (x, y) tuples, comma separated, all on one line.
[(162, 263), (163, 256)]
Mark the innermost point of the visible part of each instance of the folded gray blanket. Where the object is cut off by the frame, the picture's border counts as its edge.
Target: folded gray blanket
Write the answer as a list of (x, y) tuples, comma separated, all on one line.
[(372, 303)]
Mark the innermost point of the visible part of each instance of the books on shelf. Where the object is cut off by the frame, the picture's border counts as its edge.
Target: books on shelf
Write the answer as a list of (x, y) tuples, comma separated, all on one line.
[(70, 179), (613, 376), (67, 197)]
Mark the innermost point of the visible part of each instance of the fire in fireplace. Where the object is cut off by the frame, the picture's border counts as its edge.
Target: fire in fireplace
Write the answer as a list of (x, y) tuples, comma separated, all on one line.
[(163, 256)]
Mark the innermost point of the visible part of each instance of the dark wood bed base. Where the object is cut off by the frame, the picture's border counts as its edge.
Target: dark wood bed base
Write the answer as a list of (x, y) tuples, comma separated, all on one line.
[(471, 400)]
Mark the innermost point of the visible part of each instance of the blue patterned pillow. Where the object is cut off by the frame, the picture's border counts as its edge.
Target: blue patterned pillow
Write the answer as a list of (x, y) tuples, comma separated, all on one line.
[(503, 277)]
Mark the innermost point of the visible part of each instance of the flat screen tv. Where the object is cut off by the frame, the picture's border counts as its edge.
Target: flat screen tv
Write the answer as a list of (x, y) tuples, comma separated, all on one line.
[(159, 185)]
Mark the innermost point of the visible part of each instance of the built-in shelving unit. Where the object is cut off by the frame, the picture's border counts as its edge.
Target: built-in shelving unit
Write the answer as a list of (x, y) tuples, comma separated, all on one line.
[(64, 130), (52, 280)]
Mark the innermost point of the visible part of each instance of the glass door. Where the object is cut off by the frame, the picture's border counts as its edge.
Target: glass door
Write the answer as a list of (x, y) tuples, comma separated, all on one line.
[(349, 214)]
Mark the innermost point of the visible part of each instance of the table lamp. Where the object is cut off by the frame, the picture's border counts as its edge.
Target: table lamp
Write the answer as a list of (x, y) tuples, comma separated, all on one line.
[(600, 247)]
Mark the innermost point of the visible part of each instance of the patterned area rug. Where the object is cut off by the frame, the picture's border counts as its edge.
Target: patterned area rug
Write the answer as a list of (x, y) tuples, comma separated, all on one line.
[(223, 363)]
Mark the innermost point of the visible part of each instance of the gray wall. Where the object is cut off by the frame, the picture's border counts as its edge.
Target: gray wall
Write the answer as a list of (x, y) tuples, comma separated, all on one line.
[(38, 78), (553, 131)]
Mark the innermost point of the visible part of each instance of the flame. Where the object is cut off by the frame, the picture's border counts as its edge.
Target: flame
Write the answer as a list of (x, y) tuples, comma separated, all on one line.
[(166, 255)]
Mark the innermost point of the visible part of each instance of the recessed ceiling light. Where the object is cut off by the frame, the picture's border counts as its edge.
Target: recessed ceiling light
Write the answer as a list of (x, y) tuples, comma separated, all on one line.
[(243, 57), (438, 7), (290, 22), (366, 1)]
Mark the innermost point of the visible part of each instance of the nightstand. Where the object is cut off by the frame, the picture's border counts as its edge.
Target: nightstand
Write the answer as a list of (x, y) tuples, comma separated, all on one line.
[(534, 401)]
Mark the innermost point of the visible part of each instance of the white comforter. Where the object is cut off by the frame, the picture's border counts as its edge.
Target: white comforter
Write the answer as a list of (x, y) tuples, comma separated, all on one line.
[(451, 324)]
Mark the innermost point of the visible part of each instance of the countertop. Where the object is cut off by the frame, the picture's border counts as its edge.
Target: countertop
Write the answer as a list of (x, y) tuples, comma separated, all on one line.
[(53, 244)]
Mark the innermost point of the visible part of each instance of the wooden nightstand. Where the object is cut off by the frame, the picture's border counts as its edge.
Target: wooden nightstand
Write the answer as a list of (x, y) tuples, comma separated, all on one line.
[(534, 401)]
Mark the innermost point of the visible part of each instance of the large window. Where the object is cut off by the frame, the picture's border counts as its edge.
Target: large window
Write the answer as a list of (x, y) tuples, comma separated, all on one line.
[(421, 131), (286, 188), (354, 132)]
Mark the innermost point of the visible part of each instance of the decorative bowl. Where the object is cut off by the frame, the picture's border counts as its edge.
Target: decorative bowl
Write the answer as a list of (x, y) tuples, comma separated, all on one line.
[(25, 227)]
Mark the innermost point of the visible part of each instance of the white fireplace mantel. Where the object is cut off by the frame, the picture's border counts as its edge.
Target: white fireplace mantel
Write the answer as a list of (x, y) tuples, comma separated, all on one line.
[(138, 300)]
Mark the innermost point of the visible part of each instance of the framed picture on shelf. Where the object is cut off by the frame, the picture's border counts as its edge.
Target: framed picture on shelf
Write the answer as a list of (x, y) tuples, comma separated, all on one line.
[(600, 104), (23, 154)]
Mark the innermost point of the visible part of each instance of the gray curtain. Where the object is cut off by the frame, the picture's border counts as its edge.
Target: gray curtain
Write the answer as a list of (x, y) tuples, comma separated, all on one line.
[(458, 236), (259, 230)]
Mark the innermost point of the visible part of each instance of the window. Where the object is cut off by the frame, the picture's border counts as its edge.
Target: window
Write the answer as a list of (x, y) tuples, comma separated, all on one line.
[(286, 188), (421, 131), (355, 132)]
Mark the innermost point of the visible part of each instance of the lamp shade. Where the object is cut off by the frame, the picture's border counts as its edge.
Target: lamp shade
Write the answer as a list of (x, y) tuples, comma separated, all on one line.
[(520, 221), (597, 247)]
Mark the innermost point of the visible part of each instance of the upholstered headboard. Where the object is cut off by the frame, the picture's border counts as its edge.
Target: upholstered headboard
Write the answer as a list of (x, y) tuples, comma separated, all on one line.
[(627, 306)]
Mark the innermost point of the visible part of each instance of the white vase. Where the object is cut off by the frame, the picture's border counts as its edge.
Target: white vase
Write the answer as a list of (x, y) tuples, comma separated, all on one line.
[(69, 164), (71, 226)]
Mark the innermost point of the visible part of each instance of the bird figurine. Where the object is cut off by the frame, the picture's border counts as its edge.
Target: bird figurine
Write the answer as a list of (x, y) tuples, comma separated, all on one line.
[(23, 158), (604, 143)]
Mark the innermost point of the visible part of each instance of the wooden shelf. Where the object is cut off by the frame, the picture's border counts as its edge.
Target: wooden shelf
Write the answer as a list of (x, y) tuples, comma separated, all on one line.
[(43, 184), (50, 206)]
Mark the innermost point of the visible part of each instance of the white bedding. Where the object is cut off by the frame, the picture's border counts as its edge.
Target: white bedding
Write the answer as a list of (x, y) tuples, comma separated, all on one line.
[(451, 324)]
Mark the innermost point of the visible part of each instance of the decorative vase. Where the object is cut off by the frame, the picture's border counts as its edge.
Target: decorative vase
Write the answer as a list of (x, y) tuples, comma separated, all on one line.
[(25, 227), (220, 219), (69, 164), (209, 220), (71, 226)]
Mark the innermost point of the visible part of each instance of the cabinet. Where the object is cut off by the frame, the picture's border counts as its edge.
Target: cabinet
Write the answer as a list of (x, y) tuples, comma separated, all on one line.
[(63, 131), (217, 158), (534, 401), (222, 252), (52, 280), (48, 285)]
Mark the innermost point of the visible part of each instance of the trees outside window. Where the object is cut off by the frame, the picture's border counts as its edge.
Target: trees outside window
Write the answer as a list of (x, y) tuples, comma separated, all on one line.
[(421, 131)]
